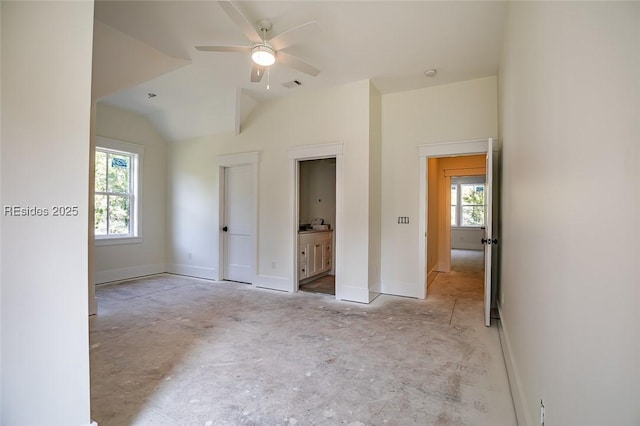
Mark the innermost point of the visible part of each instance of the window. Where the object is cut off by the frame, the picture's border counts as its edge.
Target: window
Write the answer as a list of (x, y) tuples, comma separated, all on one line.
[(116, 201), (467, 202)]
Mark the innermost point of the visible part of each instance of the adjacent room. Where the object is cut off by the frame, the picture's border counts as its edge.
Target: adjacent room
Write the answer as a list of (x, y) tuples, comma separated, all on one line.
[(319, 212)]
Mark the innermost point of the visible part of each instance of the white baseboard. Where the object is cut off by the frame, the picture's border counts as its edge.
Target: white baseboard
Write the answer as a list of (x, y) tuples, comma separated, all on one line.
[(517, 390), (373, 295), (273, 283), (192, 271), (353, 294), (110, 275), (400, 288)]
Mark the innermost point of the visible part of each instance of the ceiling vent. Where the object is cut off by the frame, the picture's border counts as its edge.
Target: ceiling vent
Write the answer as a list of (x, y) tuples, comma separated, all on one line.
[(292, 84)]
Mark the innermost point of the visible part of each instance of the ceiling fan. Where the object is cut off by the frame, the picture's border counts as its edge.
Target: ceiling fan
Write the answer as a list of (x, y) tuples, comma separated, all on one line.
[(267, 51)]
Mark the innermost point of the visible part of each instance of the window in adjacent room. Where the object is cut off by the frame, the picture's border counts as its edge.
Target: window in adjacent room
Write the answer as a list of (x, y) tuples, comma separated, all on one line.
[(467, 202), (117, 197)]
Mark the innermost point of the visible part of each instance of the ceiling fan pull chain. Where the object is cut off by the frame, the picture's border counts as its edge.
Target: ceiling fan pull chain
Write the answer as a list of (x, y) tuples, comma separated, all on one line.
[(268, 77)]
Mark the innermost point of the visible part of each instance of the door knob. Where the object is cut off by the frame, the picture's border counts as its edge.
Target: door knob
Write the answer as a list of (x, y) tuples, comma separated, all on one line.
[(489, 241), (225, 229)]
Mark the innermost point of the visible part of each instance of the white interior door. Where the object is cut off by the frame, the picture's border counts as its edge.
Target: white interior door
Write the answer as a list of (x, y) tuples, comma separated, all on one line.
[(488, 238), (238, 227)]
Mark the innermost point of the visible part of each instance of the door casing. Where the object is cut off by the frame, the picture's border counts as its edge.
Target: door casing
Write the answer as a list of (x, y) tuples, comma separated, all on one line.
[(438, 150), (316, 152)]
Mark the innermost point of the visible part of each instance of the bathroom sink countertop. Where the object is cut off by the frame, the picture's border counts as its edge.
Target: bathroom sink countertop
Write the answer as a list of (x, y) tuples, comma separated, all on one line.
[(309, 231)]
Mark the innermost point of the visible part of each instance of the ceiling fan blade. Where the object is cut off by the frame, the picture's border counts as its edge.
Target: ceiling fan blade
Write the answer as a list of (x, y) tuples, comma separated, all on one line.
[(243, 49), (240, 20), (296, 63), (295, 35), (257, 72)]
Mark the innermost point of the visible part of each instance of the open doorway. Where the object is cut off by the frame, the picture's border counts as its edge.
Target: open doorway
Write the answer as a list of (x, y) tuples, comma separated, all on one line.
[(316, 224), (448, 170)]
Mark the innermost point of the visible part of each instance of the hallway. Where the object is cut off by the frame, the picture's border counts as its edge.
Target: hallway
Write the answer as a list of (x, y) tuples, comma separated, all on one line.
[(463, 286)]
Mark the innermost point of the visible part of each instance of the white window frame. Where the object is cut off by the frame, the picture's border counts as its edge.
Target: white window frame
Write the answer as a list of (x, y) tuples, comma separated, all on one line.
[(461, 181), (135, 219)]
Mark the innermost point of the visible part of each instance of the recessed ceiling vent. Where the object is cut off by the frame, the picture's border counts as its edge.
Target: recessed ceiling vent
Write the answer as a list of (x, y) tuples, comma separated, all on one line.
[(292, 84)]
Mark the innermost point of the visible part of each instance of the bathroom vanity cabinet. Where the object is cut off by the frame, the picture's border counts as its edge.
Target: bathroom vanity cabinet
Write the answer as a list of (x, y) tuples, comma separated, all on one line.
[(315, 253)]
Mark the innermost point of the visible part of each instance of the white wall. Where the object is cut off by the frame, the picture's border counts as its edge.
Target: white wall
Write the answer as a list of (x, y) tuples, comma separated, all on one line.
[(318, 191), (315, 117), (46, 88), (459, 111), (117, 262), (570, 300), (466, 239)]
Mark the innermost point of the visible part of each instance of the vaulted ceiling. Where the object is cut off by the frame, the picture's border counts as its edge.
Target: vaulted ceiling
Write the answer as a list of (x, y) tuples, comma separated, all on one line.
[(143, 47)]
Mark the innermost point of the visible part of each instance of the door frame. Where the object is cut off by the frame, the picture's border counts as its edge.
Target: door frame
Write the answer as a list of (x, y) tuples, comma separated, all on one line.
[(224, 162), (439, 150), (305, 153)]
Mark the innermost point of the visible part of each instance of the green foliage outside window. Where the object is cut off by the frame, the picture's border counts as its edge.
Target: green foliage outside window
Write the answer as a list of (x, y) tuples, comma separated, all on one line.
[(113, 193)]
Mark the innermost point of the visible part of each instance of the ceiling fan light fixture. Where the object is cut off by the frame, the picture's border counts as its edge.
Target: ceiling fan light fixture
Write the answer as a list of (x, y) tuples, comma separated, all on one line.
[(263, 55)]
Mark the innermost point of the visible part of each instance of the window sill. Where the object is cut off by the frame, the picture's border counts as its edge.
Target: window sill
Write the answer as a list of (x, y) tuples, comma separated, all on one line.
[(112, 241), (466, 228)]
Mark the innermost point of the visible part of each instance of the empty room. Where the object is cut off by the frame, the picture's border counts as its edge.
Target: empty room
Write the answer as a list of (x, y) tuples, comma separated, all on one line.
[(319, 213)]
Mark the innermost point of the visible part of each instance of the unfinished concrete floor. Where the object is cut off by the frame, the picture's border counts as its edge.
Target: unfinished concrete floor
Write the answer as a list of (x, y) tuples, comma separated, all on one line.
[(171, 350)]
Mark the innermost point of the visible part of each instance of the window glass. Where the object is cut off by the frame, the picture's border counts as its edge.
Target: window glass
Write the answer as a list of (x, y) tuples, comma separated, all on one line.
[(118, 215), (467, 204), (115, 197), (101, 171), (101, 215), (118, 173)]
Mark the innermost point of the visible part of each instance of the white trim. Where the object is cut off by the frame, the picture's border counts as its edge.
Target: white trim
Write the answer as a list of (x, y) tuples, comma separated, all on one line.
[(136, 190), (117, 145), (315, 152), (448, 149), (353, 294), (515, 383), (423, 191), (110, 275), (439, 149), (273, 283), (401, 288), (113, 241), (240, 159), (192, 271), (226, 161)]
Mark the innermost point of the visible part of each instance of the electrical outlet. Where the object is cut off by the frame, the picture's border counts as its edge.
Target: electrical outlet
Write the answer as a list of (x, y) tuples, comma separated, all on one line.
[(541, 413), (273, 265), (189, 256)]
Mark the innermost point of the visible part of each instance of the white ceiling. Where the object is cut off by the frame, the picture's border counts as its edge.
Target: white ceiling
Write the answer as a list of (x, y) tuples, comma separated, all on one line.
[(391, 43)]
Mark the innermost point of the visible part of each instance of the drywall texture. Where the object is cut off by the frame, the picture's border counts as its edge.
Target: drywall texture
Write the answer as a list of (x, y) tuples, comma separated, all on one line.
[(317, 117), (318, 191), (570, 297), (46, 103), (116, 262), (460, 111)]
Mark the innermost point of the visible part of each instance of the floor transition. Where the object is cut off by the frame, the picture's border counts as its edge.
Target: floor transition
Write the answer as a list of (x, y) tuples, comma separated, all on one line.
[(172, 350), (324, 285)]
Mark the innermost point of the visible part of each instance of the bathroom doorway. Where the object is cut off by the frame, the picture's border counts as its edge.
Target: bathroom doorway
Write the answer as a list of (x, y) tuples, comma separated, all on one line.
[(316, 225)]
